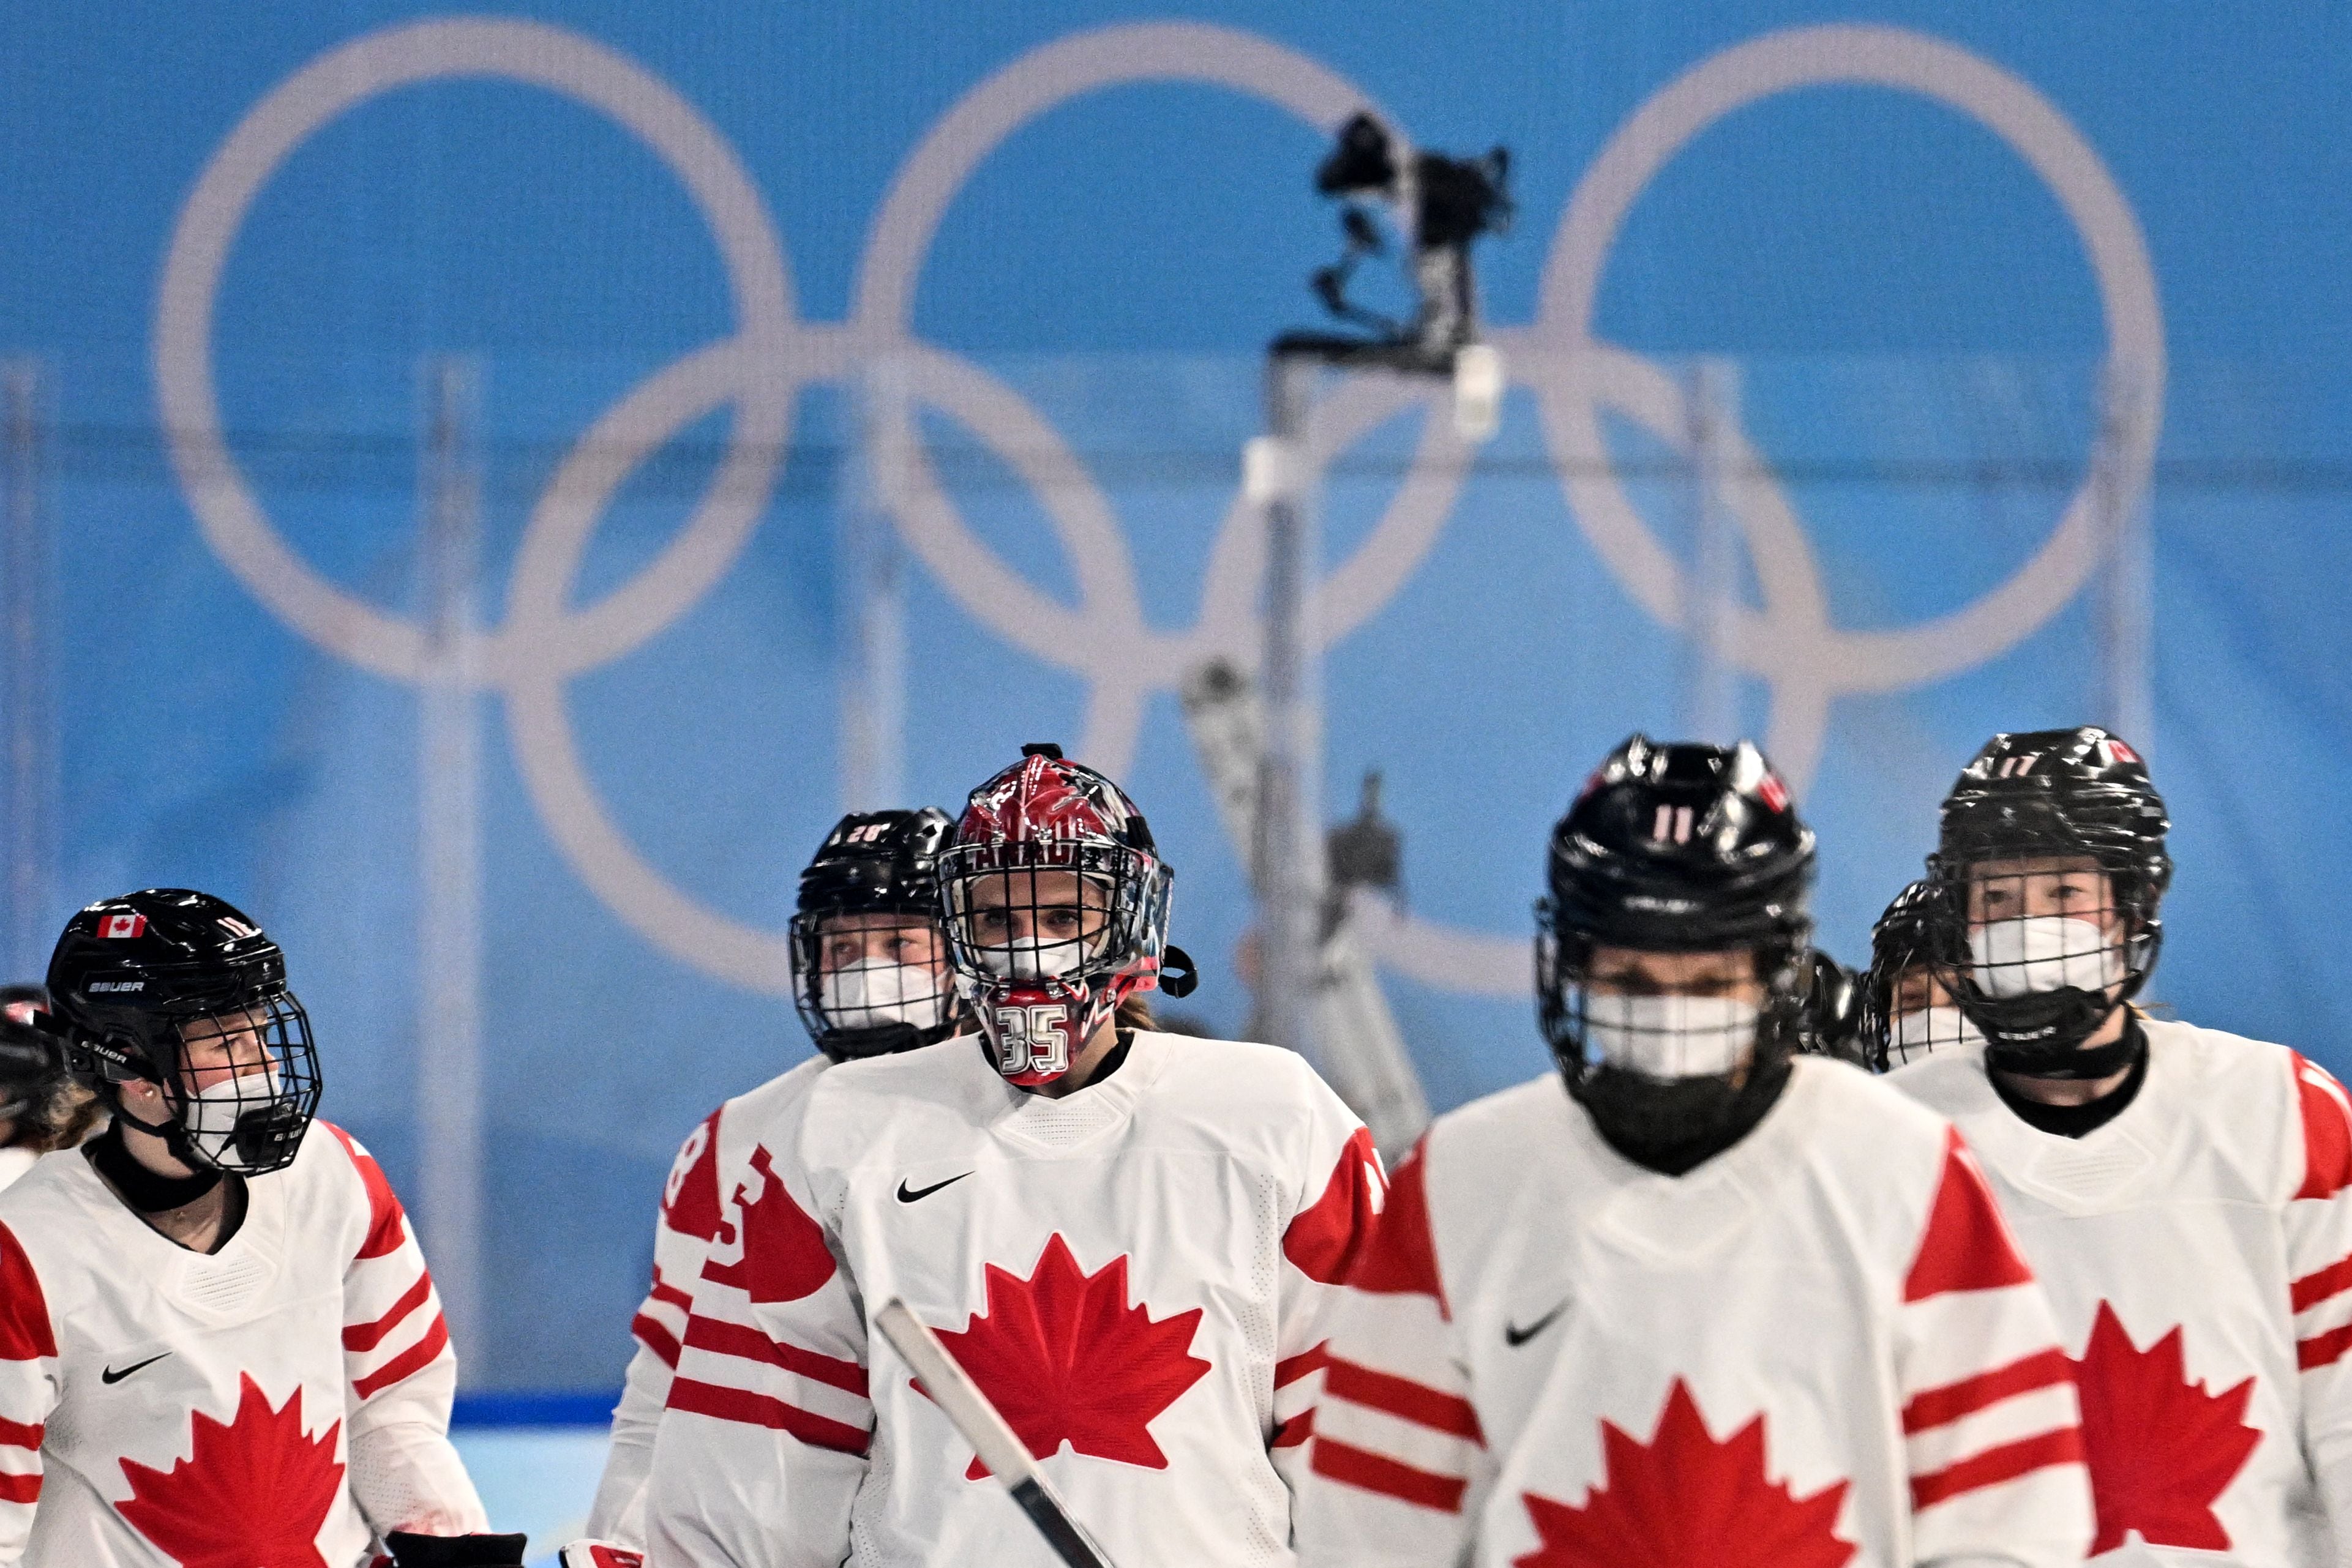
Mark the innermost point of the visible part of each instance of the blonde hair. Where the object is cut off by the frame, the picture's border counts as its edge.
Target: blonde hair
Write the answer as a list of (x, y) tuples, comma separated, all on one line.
[(1135, 1013), (64, 1116)]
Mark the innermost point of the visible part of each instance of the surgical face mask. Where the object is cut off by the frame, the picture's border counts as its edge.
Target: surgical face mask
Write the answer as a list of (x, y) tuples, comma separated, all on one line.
[(1670, 1036), (1938, 1027), (1028, 962), (253, 1103), (2044, 953), (872, 993)]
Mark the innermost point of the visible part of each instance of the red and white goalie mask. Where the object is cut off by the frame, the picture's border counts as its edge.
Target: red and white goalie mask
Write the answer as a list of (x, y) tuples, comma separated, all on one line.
[(1056, 907)]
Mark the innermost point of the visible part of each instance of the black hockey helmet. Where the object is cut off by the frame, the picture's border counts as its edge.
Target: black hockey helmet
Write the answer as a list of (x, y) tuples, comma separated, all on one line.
[(2055, 795), (1913, 935), (130, 977), (1829, 1008), (31, 1059), (1676, 848), (1680, 848), (881, 863)]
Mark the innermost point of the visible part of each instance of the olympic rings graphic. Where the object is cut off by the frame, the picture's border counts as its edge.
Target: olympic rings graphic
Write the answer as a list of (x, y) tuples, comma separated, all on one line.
[(760, 370)]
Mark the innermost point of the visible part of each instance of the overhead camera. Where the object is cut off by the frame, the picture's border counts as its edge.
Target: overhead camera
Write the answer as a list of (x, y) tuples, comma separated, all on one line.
[(1450, 201)]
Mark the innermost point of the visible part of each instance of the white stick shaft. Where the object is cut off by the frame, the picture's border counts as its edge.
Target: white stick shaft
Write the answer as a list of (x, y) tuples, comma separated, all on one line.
[(954, 1391), (1006, 1456)]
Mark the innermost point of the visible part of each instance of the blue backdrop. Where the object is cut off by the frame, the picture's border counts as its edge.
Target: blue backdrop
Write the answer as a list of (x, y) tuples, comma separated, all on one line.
[(1971, 264)]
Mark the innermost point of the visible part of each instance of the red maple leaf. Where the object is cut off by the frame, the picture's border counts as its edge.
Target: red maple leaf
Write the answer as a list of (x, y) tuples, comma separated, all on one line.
[(2161, 1449), (1685, 1499), (252, 1492), (1067, 1359)]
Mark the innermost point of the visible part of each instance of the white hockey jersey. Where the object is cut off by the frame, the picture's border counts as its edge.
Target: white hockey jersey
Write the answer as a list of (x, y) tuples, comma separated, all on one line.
[(710, 1165), (2198, 1249), (1817, 1349), (13, 1164), (282, 1401), (1137, 1274)]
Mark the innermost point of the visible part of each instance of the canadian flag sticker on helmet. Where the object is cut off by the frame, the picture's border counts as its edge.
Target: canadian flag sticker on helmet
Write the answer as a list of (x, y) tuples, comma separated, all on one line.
[(1775, 793), (115, 925)]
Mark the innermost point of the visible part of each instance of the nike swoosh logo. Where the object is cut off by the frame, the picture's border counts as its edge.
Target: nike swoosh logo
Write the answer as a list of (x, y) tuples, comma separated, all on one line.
[(915, 1195), (110, 1376), (1515, 1336)]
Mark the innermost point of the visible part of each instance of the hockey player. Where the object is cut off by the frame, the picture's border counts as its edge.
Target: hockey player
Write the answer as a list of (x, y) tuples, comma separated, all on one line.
[(1905, 1012), (218, 1341), (2181, 1192), (869, 976), (1711, 1303), (1126, 1237), (41, 1107)]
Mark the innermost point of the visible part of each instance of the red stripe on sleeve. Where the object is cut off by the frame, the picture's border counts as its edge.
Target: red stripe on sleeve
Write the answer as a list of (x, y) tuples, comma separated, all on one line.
[(1966, 1244), (1305, 1364), (367, 1336), (386, 1231), (1402, 1257), (2317, 1286), (670, 1295), (649, 1333), (1295, 1431), (17, 1434), (20, 1489), (1377, 1473), (413, 1359), (1324, 1238), (25, 1331), (1995, 1465), (2323, 1350), (750, 1344), (760, 1410), (1402, 1397), (1938, 1407)]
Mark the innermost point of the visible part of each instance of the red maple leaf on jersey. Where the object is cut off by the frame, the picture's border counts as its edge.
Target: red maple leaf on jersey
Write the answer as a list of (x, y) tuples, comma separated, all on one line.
[(2161, 1449), (1685, 1499), (1067, 1359), (252, 1492)]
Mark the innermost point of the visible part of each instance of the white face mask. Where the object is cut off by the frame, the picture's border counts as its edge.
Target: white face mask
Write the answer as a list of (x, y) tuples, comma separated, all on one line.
[(1029, 962), (875, 992), (1670, 1037), (211, 1116), (1935, 1027), (2042, 953)]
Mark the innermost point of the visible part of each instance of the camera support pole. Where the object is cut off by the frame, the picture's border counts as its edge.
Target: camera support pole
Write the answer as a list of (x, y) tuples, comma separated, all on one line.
[(1280, 477)]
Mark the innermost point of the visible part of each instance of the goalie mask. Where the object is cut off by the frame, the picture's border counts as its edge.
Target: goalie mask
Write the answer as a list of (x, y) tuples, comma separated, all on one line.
[(870, 972), (2047, 876), (1057, 903), (180, 989), (1672, 958)]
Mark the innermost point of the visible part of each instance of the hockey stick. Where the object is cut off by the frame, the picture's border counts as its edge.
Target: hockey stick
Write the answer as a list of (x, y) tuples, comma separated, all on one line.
[(954, 1391)]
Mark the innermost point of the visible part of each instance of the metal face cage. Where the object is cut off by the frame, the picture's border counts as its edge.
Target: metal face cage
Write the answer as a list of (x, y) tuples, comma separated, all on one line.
[(866, 983), (245, 1083), (1906, 1010), (2039, 940), (1702, 1031), (1027, 912), (1907, 1014)]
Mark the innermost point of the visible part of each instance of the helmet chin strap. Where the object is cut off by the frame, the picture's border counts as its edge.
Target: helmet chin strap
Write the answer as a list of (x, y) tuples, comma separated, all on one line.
[(2073, 1063), (172, 1132), (146, 1190)]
